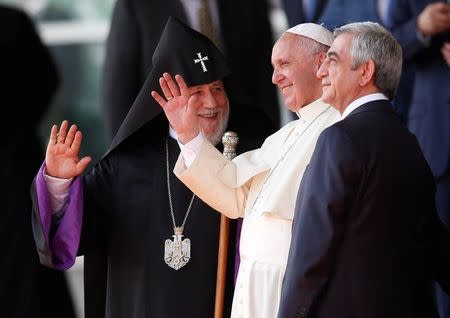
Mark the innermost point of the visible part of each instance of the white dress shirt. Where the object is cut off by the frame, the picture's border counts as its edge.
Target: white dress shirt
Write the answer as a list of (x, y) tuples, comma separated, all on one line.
[(361, 101), (58, 190)]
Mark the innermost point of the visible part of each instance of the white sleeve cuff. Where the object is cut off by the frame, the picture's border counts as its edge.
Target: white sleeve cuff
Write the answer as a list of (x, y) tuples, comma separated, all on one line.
[(190, 150), (58, 189)]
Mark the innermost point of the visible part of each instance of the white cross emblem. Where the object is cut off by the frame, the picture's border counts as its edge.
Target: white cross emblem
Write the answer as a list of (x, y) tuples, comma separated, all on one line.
[(200, 60)]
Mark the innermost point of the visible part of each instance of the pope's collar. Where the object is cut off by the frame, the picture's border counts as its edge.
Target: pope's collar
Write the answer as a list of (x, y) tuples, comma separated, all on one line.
[(312, 110)]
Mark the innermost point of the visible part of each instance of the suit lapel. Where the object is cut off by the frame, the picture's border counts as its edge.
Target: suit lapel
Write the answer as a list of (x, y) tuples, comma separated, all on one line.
[(374, 106)]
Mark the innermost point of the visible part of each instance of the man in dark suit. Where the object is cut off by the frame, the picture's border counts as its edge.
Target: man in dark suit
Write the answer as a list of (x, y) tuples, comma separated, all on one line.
[(423, 27), (367, 241)]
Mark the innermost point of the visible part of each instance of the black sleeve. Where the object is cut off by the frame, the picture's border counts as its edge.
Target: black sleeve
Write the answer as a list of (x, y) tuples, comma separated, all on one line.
[(98, 204)]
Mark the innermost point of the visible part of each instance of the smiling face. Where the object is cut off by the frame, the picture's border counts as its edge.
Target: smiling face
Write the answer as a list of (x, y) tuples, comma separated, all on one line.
[(343, 83), (212, 110), (294, 72)]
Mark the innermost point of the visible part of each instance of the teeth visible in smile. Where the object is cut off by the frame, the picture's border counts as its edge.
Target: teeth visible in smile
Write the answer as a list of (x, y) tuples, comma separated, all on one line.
[(286, 88), (209, 114)]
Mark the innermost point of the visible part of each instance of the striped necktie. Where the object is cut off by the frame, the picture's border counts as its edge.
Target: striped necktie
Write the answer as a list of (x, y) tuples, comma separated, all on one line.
[(206, 23)]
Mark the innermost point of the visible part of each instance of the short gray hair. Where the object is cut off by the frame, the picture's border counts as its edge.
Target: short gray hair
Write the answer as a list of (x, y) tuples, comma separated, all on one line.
[(311, 46), (373, 42)]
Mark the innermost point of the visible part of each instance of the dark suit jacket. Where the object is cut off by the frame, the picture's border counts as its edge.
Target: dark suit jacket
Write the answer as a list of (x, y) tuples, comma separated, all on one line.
[(333, 13), (295, 12), (135, 31), (366, 238), (429, 115)]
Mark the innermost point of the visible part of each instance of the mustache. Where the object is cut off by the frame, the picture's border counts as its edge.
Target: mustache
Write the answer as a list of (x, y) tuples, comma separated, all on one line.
[(216, 137), (209, 112)]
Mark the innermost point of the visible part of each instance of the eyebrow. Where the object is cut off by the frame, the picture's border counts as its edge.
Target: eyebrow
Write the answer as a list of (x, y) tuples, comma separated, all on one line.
[(194, 89), (332, 54), (280, 60), (199, 87)]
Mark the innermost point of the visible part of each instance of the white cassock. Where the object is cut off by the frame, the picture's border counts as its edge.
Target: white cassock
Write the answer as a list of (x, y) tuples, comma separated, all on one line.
[(260, 186)]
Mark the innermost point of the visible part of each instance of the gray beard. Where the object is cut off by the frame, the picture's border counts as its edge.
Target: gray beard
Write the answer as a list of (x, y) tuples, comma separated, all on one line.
[(216, 137)]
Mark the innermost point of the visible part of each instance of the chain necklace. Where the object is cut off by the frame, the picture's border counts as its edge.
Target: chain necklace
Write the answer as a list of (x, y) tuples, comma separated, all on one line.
[(283, 156), (177, 253)]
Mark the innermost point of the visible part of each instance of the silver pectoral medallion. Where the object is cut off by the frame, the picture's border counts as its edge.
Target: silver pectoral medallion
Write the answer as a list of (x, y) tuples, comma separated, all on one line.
[(177, 253)]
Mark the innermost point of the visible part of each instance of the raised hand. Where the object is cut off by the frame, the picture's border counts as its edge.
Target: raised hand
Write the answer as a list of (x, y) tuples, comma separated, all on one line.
[(179, 106), (61, 158), (435, 18)]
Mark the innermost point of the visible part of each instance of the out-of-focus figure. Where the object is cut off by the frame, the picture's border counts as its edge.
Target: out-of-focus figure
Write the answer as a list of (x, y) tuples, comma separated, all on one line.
[(423, 29), (29, 80)]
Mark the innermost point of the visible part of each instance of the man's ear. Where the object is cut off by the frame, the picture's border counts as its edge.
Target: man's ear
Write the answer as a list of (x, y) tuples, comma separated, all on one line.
[(321, 58), (367, 73)]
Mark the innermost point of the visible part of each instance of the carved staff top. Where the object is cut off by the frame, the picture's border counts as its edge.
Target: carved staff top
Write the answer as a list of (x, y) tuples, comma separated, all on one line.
[(230, 140)]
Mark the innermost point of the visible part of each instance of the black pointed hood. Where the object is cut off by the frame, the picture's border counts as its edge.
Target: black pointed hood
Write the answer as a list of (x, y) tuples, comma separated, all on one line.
[(181, 50)]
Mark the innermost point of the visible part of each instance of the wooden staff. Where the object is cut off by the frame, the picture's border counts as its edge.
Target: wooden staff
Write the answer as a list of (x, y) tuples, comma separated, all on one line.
[(230, 140)]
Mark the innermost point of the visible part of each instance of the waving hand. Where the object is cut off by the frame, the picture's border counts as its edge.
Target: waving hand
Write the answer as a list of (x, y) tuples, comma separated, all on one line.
[(179, 107), (61, 158)]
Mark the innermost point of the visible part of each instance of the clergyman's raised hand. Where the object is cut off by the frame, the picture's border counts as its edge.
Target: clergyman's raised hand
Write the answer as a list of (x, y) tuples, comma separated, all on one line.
[(61, 158), (179, 106)]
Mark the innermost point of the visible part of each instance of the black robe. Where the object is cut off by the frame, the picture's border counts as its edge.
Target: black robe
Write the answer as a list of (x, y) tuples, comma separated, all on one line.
[(127, 217), (28, 80)]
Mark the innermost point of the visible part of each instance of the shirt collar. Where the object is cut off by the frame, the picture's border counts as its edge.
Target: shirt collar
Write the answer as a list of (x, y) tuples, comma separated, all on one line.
[(361, 101), (312, 110)]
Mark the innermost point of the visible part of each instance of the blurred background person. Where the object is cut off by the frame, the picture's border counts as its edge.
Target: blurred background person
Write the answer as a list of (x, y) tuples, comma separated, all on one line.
[(423, 29), (29, 82)]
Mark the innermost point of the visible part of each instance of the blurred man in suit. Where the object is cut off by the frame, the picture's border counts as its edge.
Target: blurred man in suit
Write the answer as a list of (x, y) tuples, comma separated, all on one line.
[(423, 27)]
